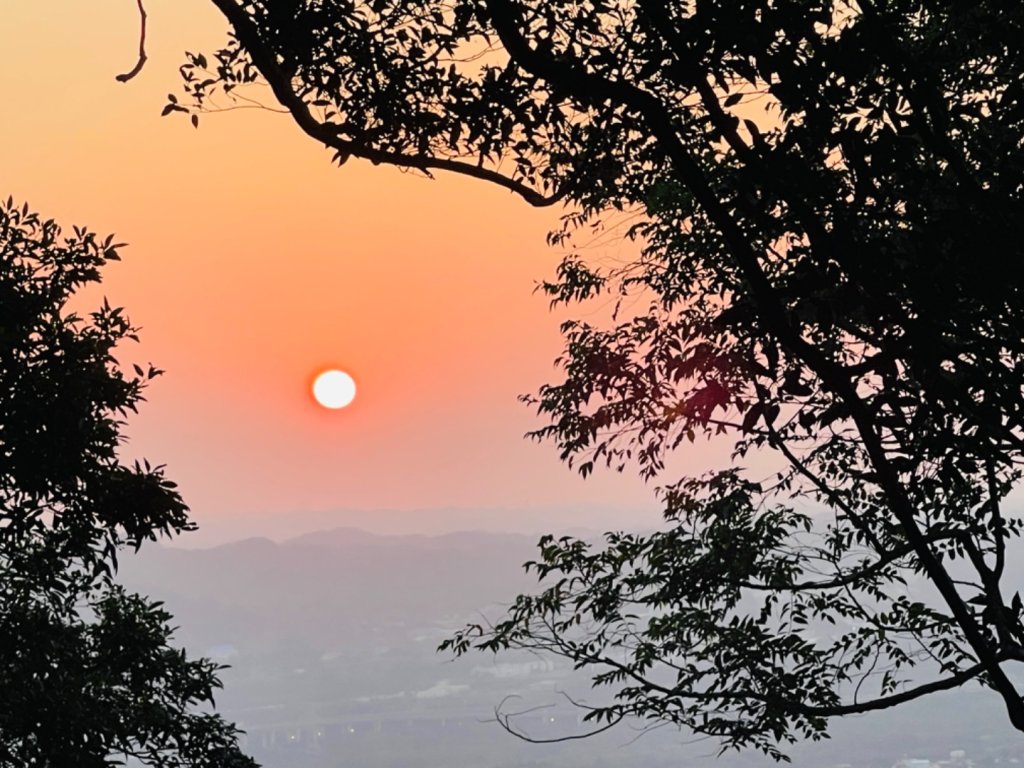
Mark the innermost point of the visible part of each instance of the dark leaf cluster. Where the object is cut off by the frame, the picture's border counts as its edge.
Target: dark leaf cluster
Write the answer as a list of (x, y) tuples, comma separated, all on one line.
[(88, 671), (827, 199)]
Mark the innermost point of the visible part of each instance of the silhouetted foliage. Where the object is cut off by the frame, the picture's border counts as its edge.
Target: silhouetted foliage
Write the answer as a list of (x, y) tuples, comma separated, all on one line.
[(86, 669), (827, 201)]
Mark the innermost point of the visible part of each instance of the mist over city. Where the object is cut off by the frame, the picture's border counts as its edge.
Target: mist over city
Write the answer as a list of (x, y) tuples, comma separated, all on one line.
[(331, 641)]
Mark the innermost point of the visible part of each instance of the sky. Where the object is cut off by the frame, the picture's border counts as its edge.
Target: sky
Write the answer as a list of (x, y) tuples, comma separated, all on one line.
[(253, 263)]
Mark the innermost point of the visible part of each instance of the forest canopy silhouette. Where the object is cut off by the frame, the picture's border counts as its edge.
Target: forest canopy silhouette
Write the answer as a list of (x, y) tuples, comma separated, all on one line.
[(827, 200), (88, 670)]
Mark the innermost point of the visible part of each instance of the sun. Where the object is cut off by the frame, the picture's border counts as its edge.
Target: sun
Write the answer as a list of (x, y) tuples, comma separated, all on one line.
[(334, 389)]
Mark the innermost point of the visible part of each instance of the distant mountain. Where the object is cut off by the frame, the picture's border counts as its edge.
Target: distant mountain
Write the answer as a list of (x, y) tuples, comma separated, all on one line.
[(280, 526), (322, 587)]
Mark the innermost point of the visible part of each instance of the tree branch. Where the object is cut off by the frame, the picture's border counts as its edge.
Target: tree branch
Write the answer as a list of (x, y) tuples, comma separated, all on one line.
[(885, 702), (504, 720), (281, 84), (141, 62), (798, 707), (851, 577)]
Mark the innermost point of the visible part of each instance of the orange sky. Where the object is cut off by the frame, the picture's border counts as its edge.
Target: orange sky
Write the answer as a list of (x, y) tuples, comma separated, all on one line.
[(254, 261)]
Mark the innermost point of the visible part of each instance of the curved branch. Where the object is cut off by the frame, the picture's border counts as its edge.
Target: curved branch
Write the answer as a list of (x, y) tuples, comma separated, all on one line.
[(141, 62), (885, 702), (280, 83), (504, 722), (798, 707), (833, 495)]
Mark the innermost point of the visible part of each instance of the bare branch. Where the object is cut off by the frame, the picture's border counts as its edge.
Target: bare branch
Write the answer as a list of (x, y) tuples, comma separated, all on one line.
[(141, 62), (504, 720)]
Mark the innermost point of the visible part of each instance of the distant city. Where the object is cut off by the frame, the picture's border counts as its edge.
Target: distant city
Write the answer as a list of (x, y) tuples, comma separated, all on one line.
[(331, 640)]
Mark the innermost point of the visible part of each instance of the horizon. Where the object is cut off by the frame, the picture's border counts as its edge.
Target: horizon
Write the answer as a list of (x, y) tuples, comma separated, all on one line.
[(428, 521)]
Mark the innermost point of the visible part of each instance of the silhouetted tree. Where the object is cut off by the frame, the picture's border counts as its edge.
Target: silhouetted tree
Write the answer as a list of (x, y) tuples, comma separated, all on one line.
[(827, 200), (86, 669)]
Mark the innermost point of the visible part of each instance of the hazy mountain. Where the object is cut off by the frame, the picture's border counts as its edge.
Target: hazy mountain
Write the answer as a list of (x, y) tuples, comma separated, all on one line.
[(329, 586), (280, 526)]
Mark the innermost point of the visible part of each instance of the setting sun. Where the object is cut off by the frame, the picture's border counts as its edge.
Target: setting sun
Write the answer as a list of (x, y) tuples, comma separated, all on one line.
[(334, 389)]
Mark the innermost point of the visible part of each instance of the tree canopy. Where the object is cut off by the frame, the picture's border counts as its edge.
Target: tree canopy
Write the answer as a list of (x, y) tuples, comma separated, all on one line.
[(87, 670), (827, 199)]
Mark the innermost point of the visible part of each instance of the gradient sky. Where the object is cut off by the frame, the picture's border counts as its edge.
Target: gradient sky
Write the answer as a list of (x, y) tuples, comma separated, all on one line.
[(253, 263)]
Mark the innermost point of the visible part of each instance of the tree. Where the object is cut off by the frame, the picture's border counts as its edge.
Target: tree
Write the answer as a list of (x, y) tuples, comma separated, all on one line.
[(827, 199), (87, 671)]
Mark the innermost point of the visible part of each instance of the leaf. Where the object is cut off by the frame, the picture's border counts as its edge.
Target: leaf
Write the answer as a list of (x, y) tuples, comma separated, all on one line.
[(751, 417)]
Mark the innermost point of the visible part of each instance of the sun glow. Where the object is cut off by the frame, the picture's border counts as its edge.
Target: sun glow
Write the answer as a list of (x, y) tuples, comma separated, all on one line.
[(334, 389)]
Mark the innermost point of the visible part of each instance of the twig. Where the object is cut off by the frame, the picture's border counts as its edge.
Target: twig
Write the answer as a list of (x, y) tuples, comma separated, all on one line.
[(142, 47)]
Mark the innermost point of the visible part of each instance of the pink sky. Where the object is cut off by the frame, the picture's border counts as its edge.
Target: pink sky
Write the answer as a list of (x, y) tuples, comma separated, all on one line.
[(254, 262)]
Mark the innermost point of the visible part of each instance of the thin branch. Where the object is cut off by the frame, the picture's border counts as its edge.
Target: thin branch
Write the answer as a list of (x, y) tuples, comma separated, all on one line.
[(504, 722), (866, 675), (998, 525), (641, 732), (142, 47), (847, 578), (808, 710), (216, 110)]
